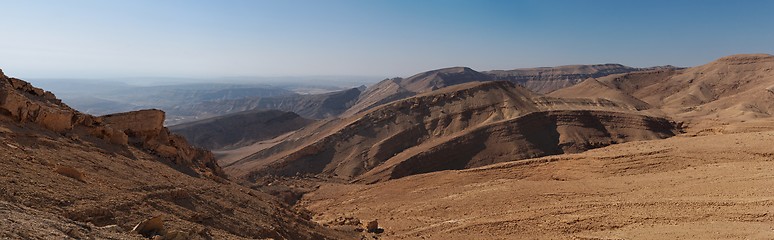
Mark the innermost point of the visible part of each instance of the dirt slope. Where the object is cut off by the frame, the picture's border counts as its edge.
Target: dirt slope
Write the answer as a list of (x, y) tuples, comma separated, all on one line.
[(731, 89), (239, 129), (710, 187), (71, 175), (462, 126)]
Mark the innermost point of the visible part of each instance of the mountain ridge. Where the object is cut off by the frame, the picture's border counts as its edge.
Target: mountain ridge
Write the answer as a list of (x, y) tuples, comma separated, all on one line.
[(353, 146)]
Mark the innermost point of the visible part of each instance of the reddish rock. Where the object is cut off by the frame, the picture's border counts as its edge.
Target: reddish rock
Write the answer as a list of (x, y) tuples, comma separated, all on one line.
[(144, 129)]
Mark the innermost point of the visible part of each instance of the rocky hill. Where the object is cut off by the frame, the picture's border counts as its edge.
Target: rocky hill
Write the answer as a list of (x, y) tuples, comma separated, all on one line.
[(731, 89), (540, 80), (69, 175), (399, 88), (462, 126), (239, 129), (24, 103)]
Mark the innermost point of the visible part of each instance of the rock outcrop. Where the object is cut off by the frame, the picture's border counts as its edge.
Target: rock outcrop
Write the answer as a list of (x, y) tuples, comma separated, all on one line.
[(145, 129), (24, 103), (372, 226), (71, 172)]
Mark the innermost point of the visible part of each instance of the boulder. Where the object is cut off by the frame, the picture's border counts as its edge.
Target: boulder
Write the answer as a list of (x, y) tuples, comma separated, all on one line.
[(373, 226), (71, 173), (150, 227), (111, 228), (145, 124), (177, 235)]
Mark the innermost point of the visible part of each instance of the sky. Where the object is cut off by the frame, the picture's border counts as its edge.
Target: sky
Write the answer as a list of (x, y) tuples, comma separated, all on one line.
[(396, 38)]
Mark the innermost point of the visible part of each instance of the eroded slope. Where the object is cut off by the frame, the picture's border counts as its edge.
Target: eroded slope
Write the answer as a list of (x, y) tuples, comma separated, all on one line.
[(420, 133), (710, 187), (731, 89)]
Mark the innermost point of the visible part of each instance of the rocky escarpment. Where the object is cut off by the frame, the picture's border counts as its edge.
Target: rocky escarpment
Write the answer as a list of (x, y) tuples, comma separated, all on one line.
[(548, 79), (23, 103)]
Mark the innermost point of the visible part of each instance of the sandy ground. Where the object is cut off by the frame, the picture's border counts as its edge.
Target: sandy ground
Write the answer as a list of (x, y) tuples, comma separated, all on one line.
[(706, 187)]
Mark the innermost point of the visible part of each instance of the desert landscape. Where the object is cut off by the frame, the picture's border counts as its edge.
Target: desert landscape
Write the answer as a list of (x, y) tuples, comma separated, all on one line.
[(660, 153), (339, 120)]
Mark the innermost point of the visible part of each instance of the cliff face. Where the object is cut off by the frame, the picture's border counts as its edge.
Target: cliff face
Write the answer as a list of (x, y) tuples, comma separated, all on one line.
[(23, 103)]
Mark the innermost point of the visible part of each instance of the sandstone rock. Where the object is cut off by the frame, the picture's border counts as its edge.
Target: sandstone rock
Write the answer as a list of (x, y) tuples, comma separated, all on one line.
[(57, 120), (150, 227), (166, 151), (142, 125), (177, 235), (373, 226), (75, 233), (71, 173), (346, 221), (145, 129), (112, 228), (25, 103)]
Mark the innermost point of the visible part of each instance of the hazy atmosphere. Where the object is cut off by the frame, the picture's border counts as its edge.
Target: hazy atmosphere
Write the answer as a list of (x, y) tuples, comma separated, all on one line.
[(205, 39)]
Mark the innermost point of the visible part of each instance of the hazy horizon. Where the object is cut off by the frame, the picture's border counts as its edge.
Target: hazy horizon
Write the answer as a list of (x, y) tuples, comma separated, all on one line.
[(274, 39)]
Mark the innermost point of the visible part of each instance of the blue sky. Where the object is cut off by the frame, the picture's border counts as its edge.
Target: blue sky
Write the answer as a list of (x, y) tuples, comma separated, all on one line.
[(97, 39)]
